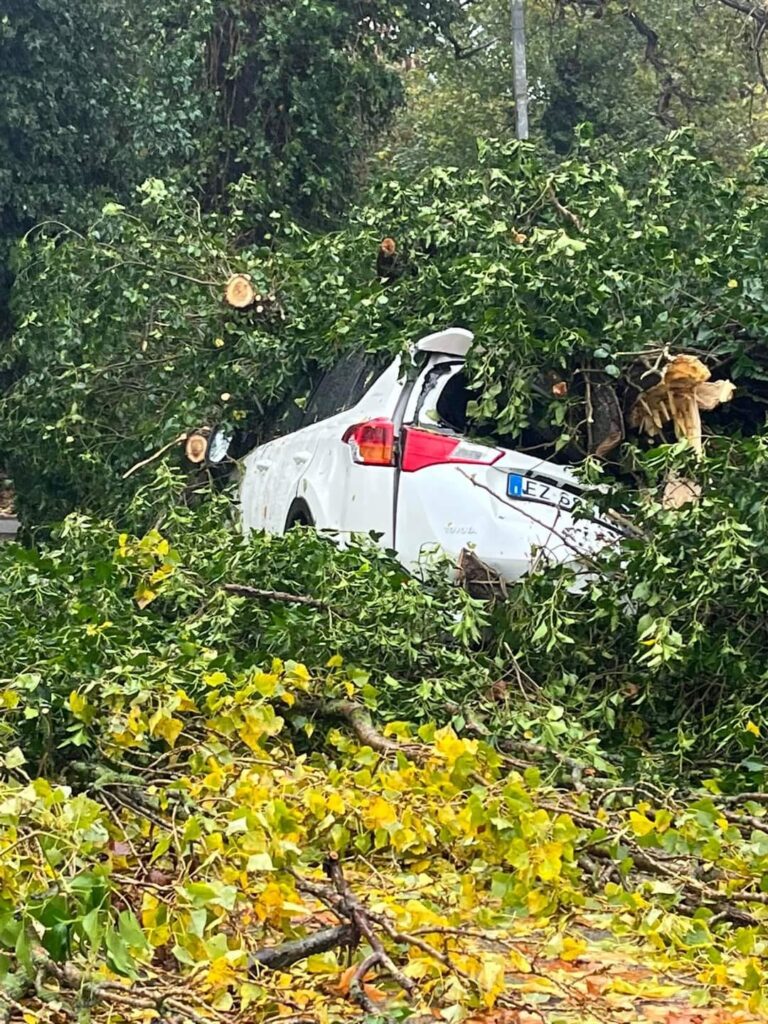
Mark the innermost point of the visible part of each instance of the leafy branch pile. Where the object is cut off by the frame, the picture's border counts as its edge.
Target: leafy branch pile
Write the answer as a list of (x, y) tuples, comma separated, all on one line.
[(576, 280), (188, 829)]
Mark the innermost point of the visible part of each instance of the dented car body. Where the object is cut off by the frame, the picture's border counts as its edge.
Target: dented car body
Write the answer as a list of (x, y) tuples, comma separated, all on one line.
[(385, 451)]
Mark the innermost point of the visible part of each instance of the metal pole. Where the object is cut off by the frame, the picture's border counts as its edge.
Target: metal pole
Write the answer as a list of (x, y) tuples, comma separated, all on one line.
[(521, 71)]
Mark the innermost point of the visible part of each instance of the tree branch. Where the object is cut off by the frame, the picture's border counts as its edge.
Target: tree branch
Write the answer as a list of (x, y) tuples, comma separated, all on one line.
[(278, 958), (756, 11), (359, 721), (254, 594), (462, 52)]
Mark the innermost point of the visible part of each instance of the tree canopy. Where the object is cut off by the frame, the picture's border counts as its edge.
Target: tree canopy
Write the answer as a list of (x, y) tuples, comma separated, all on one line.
[(582, 272), (633, 71)]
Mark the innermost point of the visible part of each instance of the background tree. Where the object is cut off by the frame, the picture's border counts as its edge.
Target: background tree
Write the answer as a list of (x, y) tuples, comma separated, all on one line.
[(96, 95), (634, 71)]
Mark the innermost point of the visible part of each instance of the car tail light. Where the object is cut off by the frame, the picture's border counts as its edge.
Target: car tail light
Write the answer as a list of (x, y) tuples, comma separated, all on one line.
[(423, 448), (372, 442)]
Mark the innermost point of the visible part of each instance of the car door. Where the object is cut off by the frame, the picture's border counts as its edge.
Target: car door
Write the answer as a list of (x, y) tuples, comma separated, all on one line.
[(271, 475), (345, 490), (311, 467)]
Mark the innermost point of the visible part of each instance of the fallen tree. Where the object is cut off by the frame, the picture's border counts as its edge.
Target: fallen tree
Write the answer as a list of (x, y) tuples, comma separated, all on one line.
[(581, 283)]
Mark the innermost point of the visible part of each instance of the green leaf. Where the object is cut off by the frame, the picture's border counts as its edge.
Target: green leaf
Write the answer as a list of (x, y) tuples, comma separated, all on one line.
[(120, 959)]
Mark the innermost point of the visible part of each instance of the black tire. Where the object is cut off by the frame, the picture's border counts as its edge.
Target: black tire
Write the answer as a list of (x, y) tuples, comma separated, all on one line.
[(299, 515)]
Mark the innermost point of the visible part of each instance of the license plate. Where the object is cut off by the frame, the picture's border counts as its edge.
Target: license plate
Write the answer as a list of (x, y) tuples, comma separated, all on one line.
[(525, 489)]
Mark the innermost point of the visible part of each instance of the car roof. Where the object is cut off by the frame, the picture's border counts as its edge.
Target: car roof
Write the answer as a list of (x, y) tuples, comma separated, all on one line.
[(455, 341)]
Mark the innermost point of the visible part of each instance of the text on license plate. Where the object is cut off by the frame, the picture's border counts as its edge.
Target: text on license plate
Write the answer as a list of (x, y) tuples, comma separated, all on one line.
[(523, 487)]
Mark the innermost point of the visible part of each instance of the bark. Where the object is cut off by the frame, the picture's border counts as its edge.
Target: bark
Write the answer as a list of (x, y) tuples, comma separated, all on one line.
[(278, 958), (359, 721), (605, 422)]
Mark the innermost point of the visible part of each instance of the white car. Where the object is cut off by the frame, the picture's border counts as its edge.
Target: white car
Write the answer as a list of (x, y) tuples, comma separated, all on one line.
[(384, 452)]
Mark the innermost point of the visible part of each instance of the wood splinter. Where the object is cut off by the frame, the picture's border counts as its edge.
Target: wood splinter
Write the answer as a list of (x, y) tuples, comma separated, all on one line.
[(683, 392)]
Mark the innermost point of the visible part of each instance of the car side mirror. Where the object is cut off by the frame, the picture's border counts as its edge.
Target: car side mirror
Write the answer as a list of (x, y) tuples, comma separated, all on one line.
[(219, 444)]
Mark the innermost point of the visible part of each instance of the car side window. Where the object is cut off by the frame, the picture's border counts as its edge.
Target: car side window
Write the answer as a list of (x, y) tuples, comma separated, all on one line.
[(343, 386), (444, 398)]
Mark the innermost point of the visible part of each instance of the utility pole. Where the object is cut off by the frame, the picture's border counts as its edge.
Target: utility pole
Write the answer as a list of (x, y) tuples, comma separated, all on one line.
[(521, 71)]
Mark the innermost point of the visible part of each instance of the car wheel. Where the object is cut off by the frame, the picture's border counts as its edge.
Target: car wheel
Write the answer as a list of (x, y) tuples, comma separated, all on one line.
[(299, 515)]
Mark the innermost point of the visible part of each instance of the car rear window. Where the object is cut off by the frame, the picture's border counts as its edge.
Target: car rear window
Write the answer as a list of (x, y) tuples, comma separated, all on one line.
[(343, 386)]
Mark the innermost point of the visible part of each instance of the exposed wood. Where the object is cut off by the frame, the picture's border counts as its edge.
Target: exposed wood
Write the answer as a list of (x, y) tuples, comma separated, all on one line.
[(679, 492), (239, 292), (196, 448), (684, 390)]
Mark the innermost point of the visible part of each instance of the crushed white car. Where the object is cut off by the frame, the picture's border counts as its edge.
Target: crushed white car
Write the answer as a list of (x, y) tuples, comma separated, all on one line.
[(383, 450)]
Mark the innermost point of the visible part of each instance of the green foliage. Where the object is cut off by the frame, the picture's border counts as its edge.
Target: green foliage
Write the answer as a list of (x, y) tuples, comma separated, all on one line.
[(293, 94), (122, 615), (168, 795), (97, 95), (684, 606), (65, 111), (125, 342)]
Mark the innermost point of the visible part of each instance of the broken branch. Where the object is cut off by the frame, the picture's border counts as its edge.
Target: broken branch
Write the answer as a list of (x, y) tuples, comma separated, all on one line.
[(278, 958), (255, 594), (155, 456)]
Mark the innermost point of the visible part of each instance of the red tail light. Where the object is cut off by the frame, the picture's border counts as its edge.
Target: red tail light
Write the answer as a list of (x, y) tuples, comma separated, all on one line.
[(372, 443), (423, 448)]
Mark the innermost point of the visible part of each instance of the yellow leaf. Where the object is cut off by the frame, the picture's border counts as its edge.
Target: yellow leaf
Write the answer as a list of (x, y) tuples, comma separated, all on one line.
[(259, 721), (185, 702), (77, 704), (144, 595), (298, 674), (379, 813), (550, 861), (160, 574), (335, 662), (537, 902), (451, 747), (93, 630), (265, 683), (754, 729), (572, 949), (250, 993), (491, 980), (641, 825), (733, 283), (335, 804), (161, 724)]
